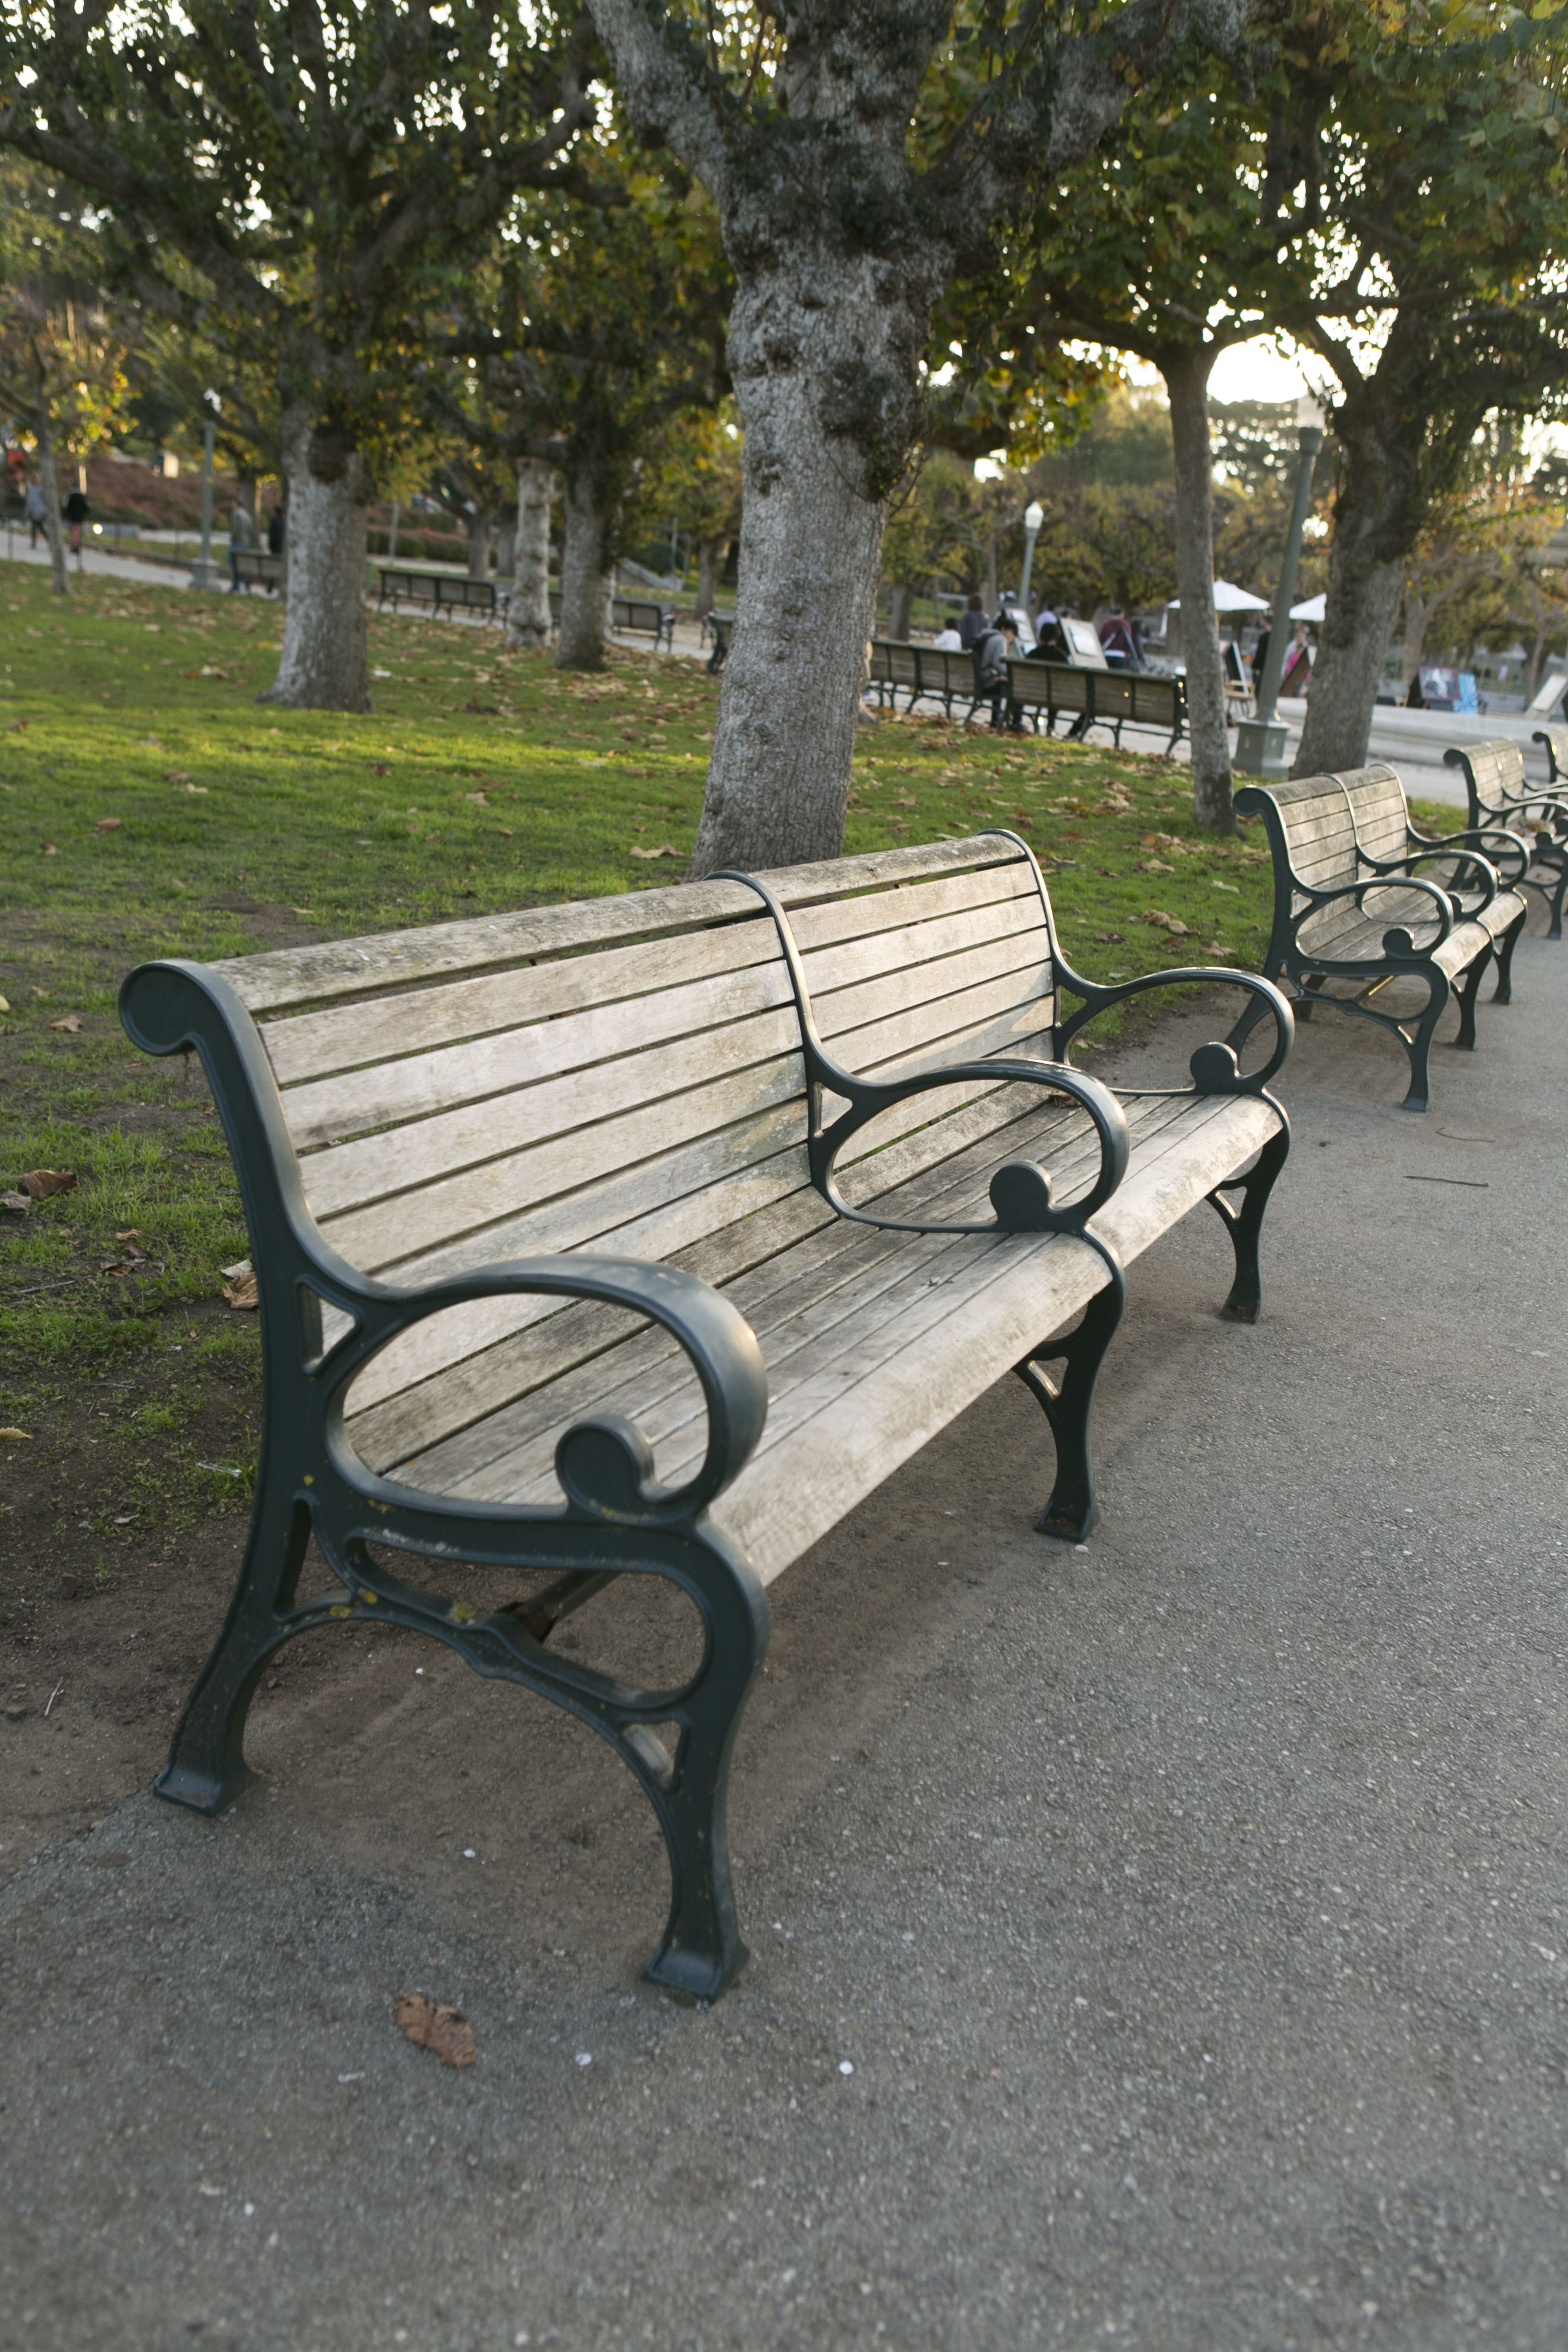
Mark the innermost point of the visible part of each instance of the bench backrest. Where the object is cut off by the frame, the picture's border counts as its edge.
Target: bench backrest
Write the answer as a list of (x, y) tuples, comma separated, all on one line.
[(1493, 772), (1320, 827), (640, 612), (624, 1075)]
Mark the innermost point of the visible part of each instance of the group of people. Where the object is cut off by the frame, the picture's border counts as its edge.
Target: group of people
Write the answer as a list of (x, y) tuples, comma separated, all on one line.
[(75, 512)]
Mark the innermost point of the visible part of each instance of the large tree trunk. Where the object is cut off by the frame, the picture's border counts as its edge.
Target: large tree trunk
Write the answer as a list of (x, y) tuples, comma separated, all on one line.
[(710, 555), (901, 597), (585, 574), (528, 615), (323, 664), (478, 527), (506, 543), (1187, 375), (1416, 614), (1377, 518), (48, 482), (824, 444)]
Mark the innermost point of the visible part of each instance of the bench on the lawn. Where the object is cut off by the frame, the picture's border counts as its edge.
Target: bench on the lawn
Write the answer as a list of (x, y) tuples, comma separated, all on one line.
[(439, 591), (720, 628), (641, 616), (1096, 698), (580, 1255), (253, 567), (1499, 795), (1352, 914), (925, 673)]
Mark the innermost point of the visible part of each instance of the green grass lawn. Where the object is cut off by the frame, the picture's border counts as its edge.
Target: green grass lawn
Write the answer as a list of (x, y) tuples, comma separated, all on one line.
[(149, 806)]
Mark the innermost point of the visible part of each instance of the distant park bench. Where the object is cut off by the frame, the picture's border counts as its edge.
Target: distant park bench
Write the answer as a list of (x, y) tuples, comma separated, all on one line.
[(924, 675), (254, 568), (1499, 793), (716, 627), (1098, 698), (533, 1194), (1352, 914), (440, 591), (632, 615)]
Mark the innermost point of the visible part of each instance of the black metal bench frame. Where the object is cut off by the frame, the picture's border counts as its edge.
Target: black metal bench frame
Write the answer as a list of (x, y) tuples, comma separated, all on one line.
[(449, 592), (243, 558)]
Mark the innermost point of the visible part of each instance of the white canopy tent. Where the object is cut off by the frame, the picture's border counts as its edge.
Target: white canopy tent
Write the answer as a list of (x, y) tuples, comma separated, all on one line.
[(1229, 598), (1314, 609)]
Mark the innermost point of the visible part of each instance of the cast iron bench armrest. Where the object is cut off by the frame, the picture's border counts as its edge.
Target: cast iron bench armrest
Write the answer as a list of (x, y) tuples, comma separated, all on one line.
[(1358, 890), (1397, 869), (604, 1464), (1213, 1066), (1020, 1192), (1497, 844)]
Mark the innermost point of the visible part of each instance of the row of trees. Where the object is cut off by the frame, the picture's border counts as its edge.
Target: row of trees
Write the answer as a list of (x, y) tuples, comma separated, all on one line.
[(554, 238)]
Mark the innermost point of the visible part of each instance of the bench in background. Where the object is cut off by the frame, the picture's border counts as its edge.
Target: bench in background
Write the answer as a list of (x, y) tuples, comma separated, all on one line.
[(1352, 914), (253, 567), (545, 1203), (1098, 698), (441, 591), (1499, 795)]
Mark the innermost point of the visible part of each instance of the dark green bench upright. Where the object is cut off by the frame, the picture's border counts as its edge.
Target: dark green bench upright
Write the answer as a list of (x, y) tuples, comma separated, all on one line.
[(439, 591)]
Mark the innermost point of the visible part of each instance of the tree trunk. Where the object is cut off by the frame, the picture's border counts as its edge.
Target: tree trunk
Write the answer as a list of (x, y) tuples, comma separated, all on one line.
[(1377, 520), (1415, 618), (392, 531), (323, 664), (1187, 375), (478, 527), (899, 599), (528, 616), (585, 586), (710, 555), (245, 497), (824, 445), (48, 482), (506, 543)]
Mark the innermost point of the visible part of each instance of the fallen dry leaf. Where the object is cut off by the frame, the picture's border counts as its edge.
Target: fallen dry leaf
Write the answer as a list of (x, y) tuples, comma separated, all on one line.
[(210, 669), (48, 849), (15, 1200), (109, 824), (72, 1022), (43, 1183), (43, 992), (666, 849), (483, 709), (446, 2031), (1163, 922), (241, 1292), (132, 1234), (176, 775), (4, 1004), (17, 1436), (16, 727)]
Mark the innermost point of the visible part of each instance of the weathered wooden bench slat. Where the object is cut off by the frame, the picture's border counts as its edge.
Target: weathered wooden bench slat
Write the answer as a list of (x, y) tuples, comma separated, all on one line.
[(1498, 792)]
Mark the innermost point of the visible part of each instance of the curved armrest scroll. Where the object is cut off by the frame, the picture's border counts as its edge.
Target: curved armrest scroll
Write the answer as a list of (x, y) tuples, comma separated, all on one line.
[(1398, 869), (1358, 890), (1213, 1066)]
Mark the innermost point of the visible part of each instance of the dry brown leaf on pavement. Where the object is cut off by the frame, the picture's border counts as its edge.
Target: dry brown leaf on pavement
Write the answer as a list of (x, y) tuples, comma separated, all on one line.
[(43, 1183), (72, 1022), (446, 2031), (666, 849)]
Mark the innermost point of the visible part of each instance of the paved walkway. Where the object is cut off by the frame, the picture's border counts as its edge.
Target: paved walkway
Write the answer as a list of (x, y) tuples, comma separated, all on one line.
[(1190, 1909)]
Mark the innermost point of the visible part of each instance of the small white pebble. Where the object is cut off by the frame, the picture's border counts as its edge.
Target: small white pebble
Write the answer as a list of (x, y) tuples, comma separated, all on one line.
[(248, 2211), (469, 1854), (846, 2065), (584, 2057)]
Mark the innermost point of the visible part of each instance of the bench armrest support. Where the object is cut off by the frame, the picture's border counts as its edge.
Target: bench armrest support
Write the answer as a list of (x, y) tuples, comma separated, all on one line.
[(1020, 1192), (1485, 872), (605, 1465), (1440, 899)]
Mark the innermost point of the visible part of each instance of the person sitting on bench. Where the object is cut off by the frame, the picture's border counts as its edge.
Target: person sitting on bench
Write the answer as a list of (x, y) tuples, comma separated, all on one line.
[(992, 654)]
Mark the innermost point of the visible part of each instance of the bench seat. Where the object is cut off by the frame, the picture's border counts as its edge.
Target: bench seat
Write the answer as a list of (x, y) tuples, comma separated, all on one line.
[(1499, 795), (570, 1265)]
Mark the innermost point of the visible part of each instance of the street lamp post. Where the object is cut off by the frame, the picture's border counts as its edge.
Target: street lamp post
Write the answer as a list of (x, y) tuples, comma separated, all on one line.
[(1034, 516), (203, 572), (1260, 740)]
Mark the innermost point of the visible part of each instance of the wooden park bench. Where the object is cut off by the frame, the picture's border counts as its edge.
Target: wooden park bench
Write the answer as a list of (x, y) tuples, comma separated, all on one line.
[(439, 591), (581, 1255), (253, 567), (641, 616), (1098, 698), (1352, 914), (719, 628), (1499, 795)]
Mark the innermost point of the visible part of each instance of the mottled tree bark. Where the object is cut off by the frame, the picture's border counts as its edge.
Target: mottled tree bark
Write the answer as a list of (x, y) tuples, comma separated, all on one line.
[(478, 527), (1187, 375), (506, 543), (1377, 518), (323, 664), (585, 574), (528, 618), (901, 597)]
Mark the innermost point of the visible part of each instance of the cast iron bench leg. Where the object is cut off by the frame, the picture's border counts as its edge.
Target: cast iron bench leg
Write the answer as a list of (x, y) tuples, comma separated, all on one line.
[(1418, 1045), (1243, 1223), (1072, 1509), (1503, 993), (1468, 995)]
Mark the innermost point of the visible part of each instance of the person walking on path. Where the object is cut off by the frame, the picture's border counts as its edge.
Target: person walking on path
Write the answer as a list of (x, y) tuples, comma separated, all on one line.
[(37, 513), (239, 539), (78, 508)]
